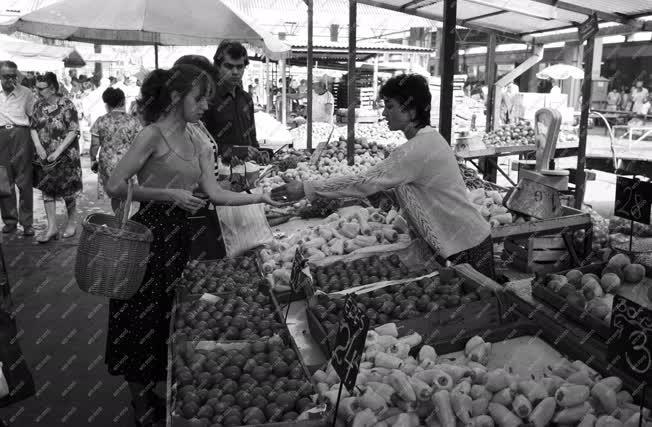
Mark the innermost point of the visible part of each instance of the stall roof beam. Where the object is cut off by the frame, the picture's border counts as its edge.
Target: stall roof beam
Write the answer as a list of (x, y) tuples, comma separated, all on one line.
[(486, 15), (605, 16), (617, 30), (432, 16)]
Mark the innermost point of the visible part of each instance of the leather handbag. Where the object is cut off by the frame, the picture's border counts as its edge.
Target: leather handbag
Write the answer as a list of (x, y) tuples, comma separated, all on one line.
[(5, 182)]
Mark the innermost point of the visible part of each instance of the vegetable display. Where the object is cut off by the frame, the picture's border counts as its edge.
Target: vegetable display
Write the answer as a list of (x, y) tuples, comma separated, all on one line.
[(594, 293), (228, 318), (398, 387), (362, 228), (255, 383), (225, 275), (511, 134), (404, 301)]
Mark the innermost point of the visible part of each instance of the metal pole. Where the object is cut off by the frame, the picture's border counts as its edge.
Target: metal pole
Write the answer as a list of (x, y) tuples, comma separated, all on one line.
[(350, 152), (490, 80), (268, 87), (156, 56), (309, 65), (580, 181), (284, 94), (375, 82), (447, 66)]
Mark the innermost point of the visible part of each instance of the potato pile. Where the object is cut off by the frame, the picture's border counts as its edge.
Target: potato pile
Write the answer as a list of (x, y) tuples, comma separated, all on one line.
[(399, 387), (377, 132), (340, 235), (589, 292), (320, 133)]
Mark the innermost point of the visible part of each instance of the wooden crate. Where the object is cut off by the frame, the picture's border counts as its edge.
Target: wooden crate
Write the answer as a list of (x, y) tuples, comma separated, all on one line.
[(572, 219), (545, 254)]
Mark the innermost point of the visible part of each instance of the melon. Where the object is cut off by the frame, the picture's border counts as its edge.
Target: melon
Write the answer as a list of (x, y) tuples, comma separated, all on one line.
[(574, 278), (610, 282), (619, 260), (634, 273)]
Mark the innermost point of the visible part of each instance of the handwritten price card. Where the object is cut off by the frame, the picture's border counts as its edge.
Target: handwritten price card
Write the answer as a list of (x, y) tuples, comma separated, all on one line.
[(631, 343), (633, 198), (349, 344)]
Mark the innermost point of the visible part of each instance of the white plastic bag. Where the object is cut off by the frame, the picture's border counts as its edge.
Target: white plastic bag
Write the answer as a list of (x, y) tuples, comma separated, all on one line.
[(4, 387), (243, 228)]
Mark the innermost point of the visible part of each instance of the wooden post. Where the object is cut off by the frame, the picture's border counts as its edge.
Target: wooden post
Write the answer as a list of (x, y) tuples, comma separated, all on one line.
[(309, 66), (350, 152), (447, 67), (580, 182)]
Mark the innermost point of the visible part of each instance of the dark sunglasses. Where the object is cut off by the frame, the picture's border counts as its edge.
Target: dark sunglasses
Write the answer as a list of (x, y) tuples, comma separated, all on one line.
[(9, 76)]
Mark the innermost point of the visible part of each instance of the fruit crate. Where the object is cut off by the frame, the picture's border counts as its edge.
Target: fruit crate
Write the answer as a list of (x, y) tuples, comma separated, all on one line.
[(578, 315), (544, 254), (174, 419), (208, 280), (572, 219), (406, 272), (443, 323), (575, 343), (270, 312)]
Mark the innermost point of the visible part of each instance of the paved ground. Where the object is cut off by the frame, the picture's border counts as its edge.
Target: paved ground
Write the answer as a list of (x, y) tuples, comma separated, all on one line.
[(63, 330)]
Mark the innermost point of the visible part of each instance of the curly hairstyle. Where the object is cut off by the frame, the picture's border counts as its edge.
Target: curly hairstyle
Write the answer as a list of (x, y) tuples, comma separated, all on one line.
[(156, 92), (113, 97), (413, 93)]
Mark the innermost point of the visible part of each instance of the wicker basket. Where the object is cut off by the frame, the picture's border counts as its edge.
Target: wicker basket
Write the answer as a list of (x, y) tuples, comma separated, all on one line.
[(113, 253)]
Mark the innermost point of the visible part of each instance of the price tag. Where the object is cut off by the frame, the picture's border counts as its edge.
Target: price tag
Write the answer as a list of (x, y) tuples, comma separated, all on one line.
[(631, 342), (349, 344), (633, 198), (300, 277)]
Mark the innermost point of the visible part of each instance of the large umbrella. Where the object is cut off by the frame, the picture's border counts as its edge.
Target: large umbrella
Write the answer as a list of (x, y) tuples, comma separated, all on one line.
[(560, 72), (147, 22)]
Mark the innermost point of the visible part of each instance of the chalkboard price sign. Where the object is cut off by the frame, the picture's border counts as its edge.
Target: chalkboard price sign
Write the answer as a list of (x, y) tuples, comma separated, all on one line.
[(349, 344), (300, 277), (633, 198), (631, 342)]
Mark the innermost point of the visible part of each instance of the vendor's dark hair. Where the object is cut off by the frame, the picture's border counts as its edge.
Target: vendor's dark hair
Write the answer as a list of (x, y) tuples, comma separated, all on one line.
[(412, 92), (113, 97), (51, 79), (233, 48), (9, 64), (156, 92)]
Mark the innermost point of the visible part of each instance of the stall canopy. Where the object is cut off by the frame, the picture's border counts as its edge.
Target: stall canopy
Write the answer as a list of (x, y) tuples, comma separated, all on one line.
[(525, 17), (337, 53), (147, 22), (38, 57)]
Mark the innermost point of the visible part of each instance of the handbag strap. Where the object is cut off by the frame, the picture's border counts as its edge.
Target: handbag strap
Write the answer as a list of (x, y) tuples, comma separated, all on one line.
[(125, 208)]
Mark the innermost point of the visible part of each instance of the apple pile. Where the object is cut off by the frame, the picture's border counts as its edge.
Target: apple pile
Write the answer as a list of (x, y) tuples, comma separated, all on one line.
[(340, 275), (224, 319), (378, 132), (337, 149), (520, 133), (590, 292), (399, 302), (260, 382), (222, 276)]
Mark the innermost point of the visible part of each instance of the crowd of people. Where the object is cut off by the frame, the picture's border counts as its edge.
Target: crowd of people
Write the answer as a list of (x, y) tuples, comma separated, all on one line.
[(635, 99)]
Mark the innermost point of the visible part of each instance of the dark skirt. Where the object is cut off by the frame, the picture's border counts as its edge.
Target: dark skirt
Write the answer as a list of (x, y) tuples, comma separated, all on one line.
[(480, 257), (63, 179), (139, 328)]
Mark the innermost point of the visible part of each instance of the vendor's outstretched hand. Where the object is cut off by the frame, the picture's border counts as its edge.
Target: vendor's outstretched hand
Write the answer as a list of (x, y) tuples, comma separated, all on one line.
[(267, 198), (295, 190)]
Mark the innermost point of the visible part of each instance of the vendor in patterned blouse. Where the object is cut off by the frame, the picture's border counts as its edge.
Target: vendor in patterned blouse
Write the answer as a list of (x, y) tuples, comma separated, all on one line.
[(424, 177), (111, 135)]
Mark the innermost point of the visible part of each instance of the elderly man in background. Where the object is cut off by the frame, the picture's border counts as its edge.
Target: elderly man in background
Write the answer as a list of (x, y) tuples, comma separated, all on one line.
[(16, 149)]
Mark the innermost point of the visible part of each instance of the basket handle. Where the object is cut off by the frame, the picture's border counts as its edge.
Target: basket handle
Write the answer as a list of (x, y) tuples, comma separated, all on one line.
[(126, 207)]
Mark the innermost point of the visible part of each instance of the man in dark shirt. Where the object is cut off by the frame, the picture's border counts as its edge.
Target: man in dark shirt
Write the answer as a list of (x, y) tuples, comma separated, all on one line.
[(230, 118)]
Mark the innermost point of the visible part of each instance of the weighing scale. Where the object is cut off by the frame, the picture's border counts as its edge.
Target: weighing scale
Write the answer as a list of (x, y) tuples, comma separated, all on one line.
[(537, 192)]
